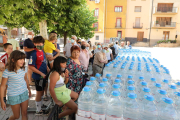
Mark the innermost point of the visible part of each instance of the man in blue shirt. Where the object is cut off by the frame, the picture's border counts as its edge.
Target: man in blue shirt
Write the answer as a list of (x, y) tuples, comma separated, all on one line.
[(128, 46)]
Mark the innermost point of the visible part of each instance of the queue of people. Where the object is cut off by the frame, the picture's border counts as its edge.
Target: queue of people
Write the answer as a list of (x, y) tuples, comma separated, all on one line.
[(64, 76)]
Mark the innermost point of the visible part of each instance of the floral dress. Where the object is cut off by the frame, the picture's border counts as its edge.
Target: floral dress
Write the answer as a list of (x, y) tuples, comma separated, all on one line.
[(75, 76)]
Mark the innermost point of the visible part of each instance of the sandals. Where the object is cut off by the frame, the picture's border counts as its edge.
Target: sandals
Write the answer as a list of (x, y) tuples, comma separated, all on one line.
[(45, 98)]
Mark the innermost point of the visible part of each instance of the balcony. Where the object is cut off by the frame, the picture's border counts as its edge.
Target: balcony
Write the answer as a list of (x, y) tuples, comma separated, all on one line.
[(118, 26), (165, 10), (164, 25), (138, 26)]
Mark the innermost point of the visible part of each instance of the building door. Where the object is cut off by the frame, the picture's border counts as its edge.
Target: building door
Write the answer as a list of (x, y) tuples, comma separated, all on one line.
[(140, 36), (119, 34), (118, 22), (166, 35), (137, 22)]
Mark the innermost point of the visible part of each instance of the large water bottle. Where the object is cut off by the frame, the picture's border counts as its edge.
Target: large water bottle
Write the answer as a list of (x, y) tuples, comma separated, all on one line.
[(177, 103), (137, 82), (105, 88), (178, 85), (165, 84), (114, 108), (98, 77), (90, 85), (99, 106), (167, 75), (138, 74), (141, 86), (109, 77), (106, 70), (167, 111), (84, 103), (147, 75), (148, 111), (145, 91), (161, 94), (105, 81), (130, 89), (116, 87), (151, 82), (171, 90), (157, 86), (131, 108), (114, 73), (119, 82), (158, 76), (94, 82), (129, 83)]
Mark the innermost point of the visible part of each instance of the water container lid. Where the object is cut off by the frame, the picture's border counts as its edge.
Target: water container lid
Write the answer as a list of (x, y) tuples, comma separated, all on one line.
[(178, 83), (130, 82), (148, 70), (100, 91), (163, 92), (88, 83), (116, 86), (122, 67), (107, 65), (86, 89), (166, 81), (117, 80), (149, 97), (130, 76), (167, 100), (102, 85), (130, 87), (119, 76), (143, 83), (105, 79), (115, 66), (177, 93), (108, 75), (98, 75), (172, 86), (162, 66), (141, 78), (130, 68), (139, 68), (92, 78), (146, 89), (132, 95), (153, 79), (157, 70), (167, 72), (157, 84), (115, 93)]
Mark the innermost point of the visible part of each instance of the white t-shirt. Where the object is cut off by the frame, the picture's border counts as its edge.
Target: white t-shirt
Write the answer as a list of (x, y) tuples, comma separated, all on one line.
[(108, 54)]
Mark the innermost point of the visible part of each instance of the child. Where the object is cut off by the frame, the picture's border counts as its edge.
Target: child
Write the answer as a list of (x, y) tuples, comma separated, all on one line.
[(60, 94), (37, 64), (16, 78), (49, 47), (3, 61)]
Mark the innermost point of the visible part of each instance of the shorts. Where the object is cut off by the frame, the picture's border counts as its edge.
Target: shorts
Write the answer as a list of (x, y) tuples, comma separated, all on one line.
[(40, 84), (48, 60), (63, 94), (14, 100)]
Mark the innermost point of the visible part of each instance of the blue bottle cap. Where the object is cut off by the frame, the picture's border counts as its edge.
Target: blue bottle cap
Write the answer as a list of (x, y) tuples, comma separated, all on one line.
[(143, 83), (157, 84), (132, 95), (172, 86), (167, 72), (86, 89), (108, 75), (163, 92), (89, 83), (115, 93), (145, 89), (139, 69), (167, 100), (149, 97), (116, 86), (117, 80), (166, 81), (122, 67), (92, 78), (115, 66), (100, 91), (98, 75), (102, 85), (177, 93), (178, 83), (130, 87), (104, 79), (130, 76), (162, 66), (107, 65), (148, 70), (141, 78), (153, 79), (119, 76), (158, 71), (130, 82), (130, 68)]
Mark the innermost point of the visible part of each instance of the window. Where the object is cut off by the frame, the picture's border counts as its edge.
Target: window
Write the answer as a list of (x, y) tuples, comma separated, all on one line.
[(118, 9), (137, 9), (97, 37), (118, 22), (96, 12), (96, 26), (119, 34)]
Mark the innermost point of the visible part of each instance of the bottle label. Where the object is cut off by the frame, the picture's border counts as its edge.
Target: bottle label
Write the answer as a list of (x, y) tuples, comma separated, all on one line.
[(112, 118), (98, 116), (84, 113)]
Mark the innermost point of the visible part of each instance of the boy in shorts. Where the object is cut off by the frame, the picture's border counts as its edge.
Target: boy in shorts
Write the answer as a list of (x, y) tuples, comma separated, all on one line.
[(3, 61), (49, 47), (38, 65)]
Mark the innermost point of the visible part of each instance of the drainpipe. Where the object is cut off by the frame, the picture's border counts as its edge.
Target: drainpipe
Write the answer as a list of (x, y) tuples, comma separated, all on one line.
[(105, 16), (151, 23)]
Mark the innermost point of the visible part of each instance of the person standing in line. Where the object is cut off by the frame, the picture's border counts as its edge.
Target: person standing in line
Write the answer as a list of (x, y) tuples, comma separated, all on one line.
[(18, 86), (15, 43), (109, 54), (98, 49), (128, 46), (116, 47)]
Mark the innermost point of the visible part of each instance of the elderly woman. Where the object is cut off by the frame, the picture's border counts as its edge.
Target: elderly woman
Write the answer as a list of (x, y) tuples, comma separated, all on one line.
[(75, 70)]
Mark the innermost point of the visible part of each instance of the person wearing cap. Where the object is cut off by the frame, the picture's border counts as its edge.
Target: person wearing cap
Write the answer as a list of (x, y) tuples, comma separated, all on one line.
[(98, 49), (108, 52), (99, 60)]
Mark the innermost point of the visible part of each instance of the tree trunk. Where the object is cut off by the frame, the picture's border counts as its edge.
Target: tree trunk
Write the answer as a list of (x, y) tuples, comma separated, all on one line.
[(65, 38), (9, 32), (43, 29)]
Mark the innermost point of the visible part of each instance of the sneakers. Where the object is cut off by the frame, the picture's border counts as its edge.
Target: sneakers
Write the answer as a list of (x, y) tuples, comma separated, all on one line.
[(42, 112), (44, 106)]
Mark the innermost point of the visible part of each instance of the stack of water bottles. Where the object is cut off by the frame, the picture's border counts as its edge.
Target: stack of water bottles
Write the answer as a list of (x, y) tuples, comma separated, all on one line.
[(134, 86)]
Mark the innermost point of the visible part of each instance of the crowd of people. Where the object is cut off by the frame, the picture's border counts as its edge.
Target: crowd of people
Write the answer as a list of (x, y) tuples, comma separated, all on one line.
[(65, 77)]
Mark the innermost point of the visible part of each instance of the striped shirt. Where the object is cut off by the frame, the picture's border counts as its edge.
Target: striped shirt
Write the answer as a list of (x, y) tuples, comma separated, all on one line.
[(16, 83)]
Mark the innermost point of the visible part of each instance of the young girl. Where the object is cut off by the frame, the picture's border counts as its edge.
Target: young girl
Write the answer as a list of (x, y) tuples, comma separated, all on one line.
[(60, 94), (16, 78)]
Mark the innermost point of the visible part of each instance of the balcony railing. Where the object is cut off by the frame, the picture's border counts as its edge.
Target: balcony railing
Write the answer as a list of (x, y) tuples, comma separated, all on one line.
[(164, 24), (165, 10), (138, 26), (118, 26)]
